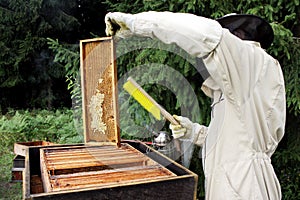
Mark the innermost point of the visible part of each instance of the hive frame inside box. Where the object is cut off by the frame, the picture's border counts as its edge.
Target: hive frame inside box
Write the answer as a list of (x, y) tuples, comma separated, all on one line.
[(183, 181), (181, 186)]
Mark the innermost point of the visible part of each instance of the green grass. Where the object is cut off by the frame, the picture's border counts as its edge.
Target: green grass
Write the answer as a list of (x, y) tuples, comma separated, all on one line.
[(8, 189)]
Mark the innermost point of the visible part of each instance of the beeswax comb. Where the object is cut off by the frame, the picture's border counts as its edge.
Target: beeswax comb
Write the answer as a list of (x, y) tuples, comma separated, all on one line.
[(141, 96)]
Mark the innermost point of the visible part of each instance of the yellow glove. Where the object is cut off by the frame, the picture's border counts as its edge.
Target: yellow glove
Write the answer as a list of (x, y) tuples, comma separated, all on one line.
[(119, 24), (188, 130), (183, 129), (177, 131)]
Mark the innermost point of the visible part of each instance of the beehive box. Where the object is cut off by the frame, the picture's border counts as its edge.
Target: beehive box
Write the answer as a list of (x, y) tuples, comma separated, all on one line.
[(21, 148), (17, 169), (104, 167)]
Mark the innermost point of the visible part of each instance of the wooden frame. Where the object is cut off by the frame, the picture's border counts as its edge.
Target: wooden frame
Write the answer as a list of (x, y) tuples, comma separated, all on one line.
[(21, 148), (75, 167), (99, 91)]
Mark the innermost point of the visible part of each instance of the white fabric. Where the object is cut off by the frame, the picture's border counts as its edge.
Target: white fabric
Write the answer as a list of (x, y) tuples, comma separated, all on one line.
[(248, 113)]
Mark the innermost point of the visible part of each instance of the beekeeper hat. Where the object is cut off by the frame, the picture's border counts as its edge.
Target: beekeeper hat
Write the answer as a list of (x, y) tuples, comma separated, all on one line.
[(258, 28)]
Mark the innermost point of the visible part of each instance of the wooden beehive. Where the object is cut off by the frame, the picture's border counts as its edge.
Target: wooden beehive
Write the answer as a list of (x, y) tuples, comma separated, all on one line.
[(97, 166), (104, 167)]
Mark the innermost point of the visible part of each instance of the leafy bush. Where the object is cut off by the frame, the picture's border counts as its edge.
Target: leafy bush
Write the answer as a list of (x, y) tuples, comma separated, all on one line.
[(286, 164), (22, 125), (287, 158)]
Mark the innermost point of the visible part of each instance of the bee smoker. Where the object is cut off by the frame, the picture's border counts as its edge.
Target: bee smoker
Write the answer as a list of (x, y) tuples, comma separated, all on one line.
[(165, 145)]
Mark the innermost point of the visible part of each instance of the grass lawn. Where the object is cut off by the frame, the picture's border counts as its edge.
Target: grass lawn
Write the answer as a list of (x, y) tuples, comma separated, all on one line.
[(8, 189)]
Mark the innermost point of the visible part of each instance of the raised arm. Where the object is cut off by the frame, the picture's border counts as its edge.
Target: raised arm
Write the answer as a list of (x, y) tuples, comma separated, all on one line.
[(196, 35)]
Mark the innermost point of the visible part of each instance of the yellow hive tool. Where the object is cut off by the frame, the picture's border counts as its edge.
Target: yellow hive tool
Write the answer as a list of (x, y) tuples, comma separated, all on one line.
[(141, 96)]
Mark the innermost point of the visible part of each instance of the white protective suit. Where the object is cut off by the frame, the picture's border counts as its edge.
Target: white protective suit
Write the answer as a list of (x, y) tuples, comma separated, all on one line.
[(248, 111)]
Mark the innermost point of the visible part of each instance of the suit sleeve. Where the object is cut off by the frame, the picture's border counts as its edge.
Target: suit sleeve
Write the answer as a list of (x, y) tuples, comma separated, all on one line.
[(197, 35)]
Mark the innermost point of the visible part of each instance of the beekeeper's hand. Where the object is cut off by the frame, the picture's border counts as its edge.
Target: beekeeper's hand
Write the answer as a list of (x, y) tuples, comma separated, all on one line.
[(188, 130), (119, 24)]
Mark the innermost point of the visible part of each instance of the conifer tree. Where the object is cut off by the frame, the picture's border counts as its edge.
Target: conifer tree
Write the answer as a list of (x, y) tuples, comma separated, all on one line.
[(28, 76)]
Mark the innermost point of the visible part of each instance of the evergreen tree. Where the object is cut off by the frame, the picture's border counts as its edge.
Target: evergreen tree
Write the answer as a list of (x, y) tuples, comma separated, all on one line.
[(28, 76)]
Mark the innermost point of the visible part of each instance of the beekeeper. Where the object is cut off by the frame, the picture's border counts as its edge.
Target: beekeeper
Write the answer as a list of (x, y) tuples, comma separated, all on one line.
[(246, 86)]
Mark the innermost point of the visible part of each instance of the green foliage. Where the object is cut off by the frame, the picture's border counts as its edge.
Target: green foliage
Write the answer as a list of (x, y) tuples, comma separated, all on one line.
[(287, 168), (68, 57), (21, 126), (17, 39), (287, 158), (27, 70), (54, 126), (292, 78)]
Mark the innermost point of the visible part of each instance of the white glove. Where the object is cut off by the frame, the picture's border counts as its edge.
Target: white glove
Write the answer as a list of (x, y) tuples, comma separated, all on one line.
[(119, 24), (188, 130)]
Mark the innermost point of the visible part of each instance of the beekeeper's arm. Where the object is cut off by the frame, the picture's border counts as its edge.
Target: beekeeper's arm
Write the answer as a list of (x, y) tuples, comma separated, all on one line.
[(196, 35), (188, 130)]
